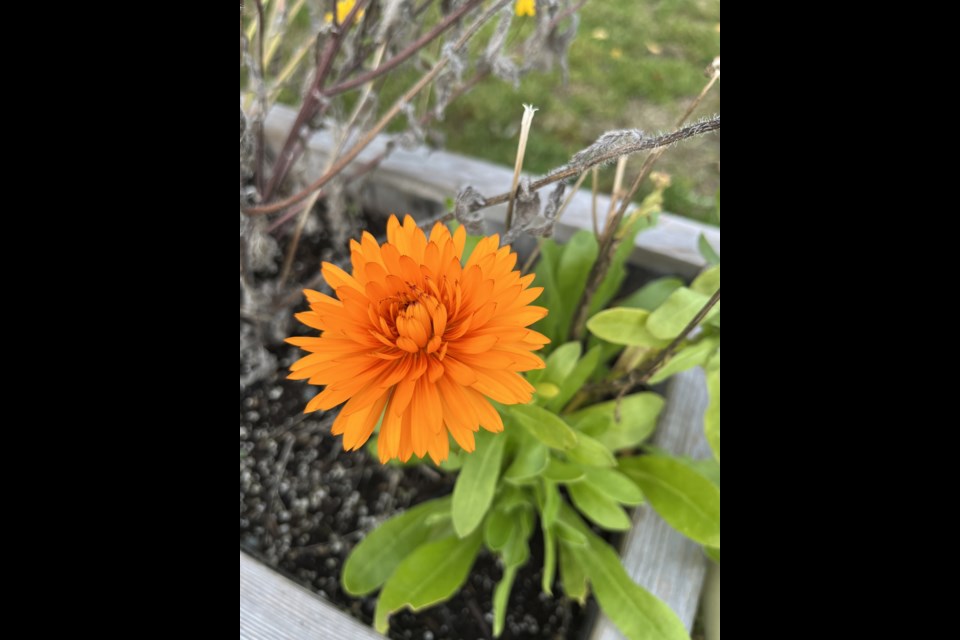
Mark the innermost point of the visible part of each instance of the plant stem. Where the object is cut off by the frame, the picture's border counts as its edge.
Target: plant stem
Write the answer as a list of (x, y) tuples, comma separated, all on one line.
[(609, 240), (401, 57), (362, 144), (312, 102), (694, 130), (642, 376)]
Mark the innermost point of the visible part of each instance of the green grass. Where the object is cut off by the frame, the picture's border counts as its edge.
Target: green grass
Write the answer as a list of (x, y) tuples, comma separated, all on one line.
[(615, 82)]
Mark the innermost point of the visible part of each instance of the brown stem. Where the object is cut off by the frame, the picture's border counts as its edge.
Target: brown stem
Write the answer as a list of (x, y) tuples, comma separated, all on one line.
[(404, 55), (642, 376), (312, 102), (609, 240), (646, 144), (369, 137), (701, 128)]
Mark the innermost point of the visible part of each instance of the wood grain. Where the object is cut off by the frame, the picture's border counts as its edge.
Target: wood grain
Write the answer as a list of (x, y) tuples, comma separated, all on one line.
[(274, 608), (654, 555)]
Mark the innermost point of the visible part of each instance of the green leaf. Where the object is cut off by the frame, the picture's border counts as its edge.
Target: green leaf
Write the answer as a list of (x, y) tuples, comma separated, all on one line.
[(707, 251), (429, 575), (545, 426), (653, 294), (575, 380), (598, 507), (551, 503), (573, 578), (561, 362), (686, 499), (568, 534), (530, 462), (548, 501), (549, 559), (708, 468), (708, 281), (576, 261), (713, 554), (377, 556), (591, 453), (638, 614), (552, 297), (692, 355), (517, 551), (477, 483), (559, 471), (675, 314), (617, 272), (638, 419), (512, 497), (501, 596), (625, 326), (615, 485), (711, 419), (496, 529)]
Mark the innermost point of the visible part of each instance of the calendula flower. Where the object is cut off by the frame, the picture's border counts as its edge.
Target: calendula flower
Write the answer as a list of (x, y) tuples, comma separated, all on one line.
[(526, 7), (343, 8), (420, 339)]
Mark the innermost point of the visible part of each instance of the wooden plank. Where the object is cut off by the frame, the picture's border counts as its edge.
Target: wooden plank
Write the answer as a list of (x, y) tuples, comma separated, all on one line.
[(274, 608), (654, 555), (408, 178)]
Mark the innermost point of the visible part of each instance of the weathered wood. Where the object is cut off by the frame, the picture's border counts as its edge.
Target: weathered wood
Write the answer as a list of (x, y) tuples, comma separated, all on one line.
[(274, 608), (408, 179), (657, 557)]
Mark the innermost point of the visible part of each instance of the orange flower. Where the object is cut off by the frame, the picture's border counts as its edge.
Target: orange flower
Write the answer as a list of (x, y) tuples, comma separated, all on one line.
[(417, 338)]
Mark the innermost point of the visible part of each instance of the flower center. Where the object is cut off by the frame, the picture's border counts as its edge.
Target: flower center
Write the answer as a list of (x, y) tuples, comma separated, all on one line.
[(417, 319)]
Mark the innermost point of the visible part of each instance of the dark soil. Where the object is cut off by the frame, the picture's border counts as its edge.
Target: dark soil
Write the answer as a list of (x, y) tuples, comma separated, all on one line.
[(304, 504)]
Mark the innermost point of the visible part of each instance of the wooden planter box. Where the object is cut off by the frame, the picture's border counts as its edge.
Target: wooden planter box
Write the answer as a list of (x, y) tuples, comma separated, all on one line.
[(655, 556)]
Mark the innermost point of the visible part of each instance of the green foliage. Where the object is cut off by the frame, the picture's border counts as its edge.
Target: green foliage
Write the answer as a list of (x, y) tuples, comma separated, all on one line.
[(477, 483), (561, 460), (653, 294), (625, 326), (611, 283), (638, 419), (681, 495), (380, 553), (547, 427), (431, 574), (675, 314)]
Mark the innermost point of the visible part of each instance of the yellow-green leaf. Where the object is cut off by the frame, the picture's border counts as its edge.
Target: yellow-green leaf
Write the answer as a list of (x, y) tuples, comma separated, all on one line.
[(682, 496), (598, 507), (625, 326), (545, 426)]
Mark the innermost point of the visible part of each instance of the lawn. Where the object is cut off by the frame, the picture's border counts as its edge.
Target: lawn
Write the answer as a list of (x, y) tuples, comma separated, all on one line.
[(632, 65)]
